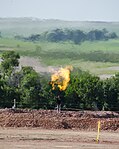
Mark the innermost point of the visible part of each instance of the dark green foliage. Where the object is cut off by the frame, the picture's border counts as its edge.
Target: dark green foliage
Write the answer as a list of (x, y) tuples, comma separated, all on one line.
[(55, 35), (96, 35), (77, 36), (48, 100), (85, 90), (112, 35), (33, 37), (9, 61), (8, 77), (31, 90), (111, 93), (2, 92)]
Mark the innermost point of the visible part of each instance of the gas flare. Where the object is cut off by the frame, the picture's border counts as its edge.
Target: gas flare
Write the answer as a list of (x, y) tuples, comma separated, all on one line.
[(61, 78)]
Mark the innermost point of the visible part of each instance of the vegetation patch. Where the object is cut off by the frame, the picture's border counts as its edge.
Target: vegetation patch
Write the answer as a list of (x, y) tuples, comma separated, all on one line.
[(33, 90)]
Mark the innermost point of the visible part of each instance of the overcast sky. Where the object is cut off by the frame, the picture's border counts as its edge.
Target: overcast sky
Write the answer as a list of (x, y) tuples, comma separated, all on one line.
[(82, 10)]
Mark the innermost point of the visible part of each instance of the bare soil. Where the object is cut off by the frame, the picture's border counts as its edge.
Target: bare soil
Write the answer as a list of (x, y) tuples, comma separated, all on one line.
[(47, 129), (50, 119), (36, 138), (36, 64)]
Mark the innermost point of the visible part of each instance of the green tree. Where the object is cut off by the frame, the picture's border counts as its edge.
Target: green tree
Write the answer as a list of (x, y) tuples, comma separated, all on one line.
[(85, 90), (8, 66), (111, 91), (10, 60), (78, 36), (55, 35), (30, 88), (2, 93), (112, 35), (96, 35), (48, 100), (72, 99)]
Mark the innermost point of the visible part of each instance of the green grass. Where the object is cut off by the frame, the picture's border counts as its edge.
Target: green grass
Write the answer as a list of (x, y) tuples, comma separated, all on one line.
[(96, 68), (92, 56)]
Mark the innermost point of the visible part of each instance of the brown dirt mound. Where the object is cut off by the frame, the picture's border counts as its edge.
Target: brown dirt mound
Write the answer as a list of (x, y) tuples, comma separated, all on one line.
[(50, 119)]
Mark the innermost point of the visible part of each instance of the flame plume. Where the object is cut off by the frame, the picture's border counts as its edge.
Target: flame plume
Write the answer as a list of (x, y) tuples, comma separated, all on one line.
[(61, 78)]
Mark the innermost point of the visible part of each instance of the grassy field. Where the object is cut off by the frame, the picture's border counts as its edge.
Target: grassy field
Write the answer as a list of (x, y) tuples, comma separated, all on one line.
[(97, 57)]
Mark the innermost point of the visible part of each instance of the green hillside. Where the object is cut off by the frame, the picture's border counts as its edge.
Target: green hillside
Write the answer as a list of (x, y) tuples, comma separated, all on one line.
[(100, 57), (10, 27)]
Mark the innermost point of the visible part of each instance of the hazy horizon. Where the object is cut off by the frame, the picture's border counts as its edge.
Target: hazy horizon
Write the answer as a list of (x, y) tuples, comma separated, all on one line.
[(67, 10), (36, 18)]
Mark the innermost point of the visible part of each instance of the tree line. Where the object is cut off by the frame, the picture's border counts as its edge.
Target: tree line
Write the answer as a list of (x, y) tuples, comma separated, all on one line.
[(77, 36), (33, 90)]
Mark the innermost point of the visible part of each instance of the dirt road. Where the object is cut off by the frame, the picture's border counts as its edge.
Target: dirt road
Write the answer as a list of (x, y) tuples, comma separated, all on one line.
[(35, 138), (37, 65)]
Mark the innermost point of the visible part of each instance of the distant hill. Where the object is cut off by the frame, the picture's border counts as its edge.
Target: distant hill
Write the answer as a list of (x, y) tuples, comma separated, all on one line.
[(10, 27)]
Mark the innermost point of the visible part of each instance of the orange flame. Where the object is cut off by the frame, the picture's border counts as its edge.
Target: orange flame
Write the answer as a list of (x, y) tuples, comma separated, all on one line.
[(61, 78)]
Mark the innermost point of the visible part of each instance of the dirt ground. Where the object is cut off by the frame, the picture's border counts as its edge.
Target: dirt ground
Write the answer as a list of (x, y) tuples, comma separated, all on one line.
[(36, 138), (37, 65), (50, 119), (47, 129)]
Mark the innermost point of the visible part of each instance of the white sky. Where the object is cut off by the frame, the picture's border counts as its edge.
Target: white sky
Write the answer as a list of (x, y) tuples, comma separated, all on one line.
[(82, 10)]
